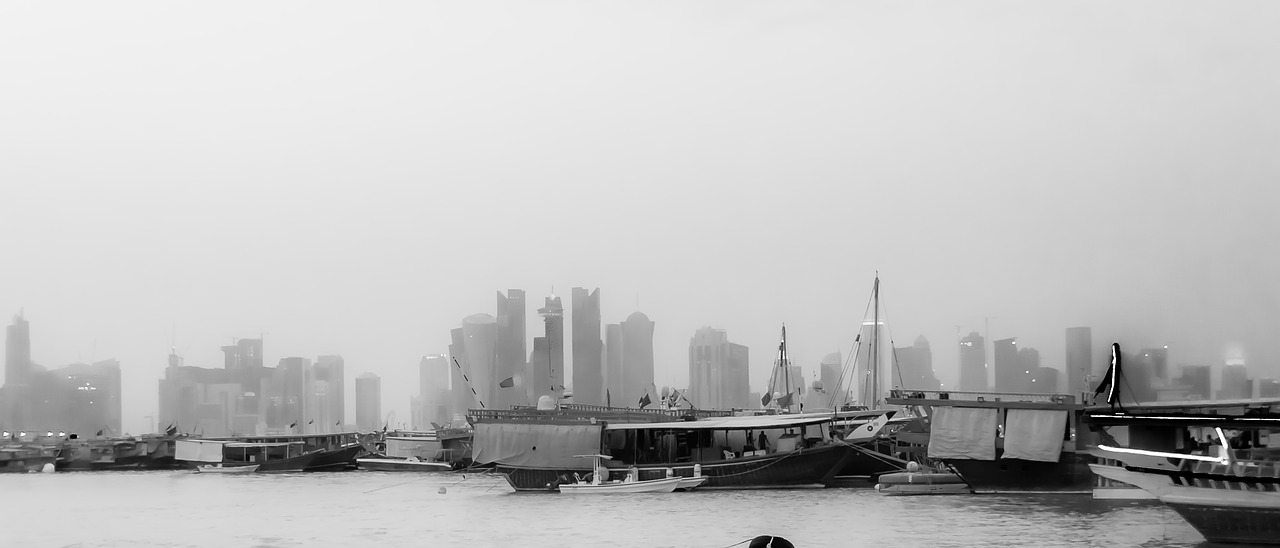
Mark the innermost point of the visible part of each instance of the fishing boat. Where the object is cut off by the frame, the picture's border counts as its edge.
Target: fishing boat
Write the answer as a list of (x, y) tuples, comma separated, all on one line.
[(917, 482), (269, 457), (1217, 464), (220, 469), (411, 464), (598, 485), (24, 458)]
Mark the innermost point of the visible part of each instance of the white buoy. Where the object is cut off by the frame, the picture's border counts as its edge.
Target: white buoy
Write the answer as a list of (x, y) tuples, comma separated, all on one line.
[(444, 490), (47, 468), (913, 466)]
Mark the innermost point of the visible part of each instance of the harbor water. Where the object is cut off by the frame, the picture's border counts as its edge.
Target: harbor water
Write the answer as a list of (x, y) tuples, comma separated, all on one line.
[(345, 509)]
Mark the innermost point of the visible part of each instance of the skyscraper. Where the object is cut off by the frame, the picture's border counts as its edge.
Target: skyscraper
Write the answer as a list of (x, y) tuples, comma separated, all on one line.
[(88, 398), (637, 357), (874, 377), (718, 376), (1046, 380), (480, 345), (1236, 384), (973, 364), (553, 322), (1007, 375), (433, 391), (328, 396), (1027, 370), (17, 352), (369, 403), (588, 373), (1196, 380), (915, 367), (512, 349), (829, 373), (1079, 361), (463, 399), (614, 378)]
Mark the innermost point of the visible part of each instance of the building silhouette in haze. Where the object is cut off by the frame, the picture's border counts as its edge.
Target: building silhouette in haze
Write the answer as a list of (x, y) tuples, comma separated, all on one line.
[(369, 403), (915, 367), (718, 376), (513, 350), (973, 364), (630, 355), (1008, 376), (1079, 361), (588, 371)]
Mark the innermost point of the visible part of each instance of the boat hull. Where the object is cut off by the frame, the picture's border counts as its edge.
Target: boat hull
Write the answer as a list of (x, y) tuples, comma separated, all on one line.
[(1069, 475), (1221, 515), (811, 467), (864, 467), (689, 484), (665, 485), (335, 460), (26, 464), (402, 465), (248, 469)]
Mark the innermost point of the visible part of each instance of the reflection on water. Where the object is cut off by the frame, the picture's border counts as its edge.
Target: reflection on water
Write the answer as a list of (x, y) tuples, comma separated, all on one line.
[(389, 509)]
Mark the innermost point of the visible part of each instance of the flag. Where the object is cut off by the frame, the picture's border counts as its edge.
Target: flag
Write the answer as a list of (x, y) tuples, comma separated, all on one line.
[(644, 400), (172, 430), (384, 428), (339, 423), (608, 401), (507, 382), (311, 421), (674, 400), (293, 424), (785, 401), (100, 432), (764, 400)]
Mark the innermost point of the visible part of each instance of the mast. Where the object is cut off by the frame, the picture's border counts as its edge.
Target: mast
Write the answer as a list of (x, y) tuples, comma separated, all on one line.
[(875, 344), (786, 367)]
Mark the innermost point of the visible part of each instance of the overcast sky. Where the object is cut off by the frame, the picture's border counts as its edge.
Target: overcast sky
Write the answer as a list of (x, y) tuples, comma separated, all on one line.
[(355, 179)]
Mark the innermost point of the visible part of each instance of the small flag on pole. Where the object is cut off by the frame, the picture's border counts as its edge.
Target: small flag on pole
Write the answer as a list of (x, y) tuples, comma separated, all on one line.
[(765, 399), (507, 382), (785, 401), (645, 401)]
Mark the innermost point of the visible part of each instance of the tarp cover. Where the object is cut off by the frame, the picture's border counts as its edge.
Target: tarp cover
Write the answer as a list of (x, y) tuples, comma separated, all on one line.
[(1034, 434), (963, 433), (541, 446), (198, 450)]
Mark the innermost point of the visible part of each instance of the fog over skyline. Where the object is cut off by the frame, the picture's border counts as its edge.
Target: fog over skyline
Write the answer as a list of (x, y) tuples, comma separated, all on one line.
[(355, 180)]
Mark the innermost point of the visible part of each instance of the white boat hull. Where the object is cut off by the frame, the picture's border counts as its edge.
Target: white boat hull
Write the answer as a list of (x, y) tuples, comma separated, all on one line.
[(248, 469), (402, 465), (665, 485)]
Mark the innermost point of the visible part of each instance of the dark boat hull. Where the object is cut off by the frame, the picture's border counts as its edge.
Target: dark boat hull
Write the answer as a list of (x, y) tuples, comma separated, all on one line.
[(292, 464), (1235, 525), (801, 468), (336, 460), (1070, 474), (864, 467)]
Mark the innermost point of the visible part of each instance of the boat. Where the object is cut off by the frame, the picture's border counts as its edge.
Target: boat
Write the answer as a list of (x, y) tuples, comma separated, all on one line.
[(411, 464), (20, 459), (1217, 464), (269, 457), (598, 485), (220, 469), (689, 484), (442, 444), (917, 482), (533, 449)]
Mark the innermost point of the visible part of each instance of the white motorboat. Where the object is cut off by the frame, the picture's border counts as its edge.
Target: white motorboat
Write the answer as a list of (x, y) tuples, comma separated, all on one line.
[(220, 469), (599, 485), (411, 464)]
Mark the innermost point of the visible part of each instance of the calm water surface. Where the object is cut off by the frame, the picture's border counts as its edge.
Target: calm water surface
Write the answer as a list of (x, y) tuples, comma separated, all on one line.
[(388, 509)]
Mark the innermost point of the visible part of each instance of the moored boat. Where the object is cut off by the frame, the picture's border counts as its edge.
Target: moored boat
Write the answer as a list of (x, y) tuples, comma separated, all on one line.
[(220, 469), (269, 457), (411, 464), (598, 484), (23, 459), (917, 482)]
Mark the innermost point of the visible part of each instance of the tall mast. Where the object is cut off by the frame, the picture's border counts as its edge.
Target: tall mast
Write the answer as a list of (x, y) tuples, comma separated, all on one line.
[(875, 344), (786, 367)]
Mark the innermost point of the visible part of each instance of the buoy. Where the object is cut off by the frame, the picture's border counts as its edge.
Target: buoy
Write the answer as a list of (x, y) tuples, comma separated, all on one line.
[(47, 468), (913, 466), (443, 490), (766, 541)]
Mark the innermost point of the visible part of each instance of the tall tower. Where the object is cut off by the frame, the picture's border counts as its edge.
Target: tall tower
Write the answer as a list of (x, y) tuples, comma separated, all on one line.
[(368, 403), (1008, 377), (330, 395), (479, 333), (1079, 361), (588, 375), (553, 321), (17, 352), (973, 364), (637, 357), (512, 349), (708, 364)]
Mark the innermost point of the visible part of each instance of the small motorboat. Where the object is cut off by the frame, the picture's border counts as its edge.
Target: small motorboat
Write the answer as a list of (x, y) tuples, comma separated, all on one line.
[(411, 464), (220, 469), (598, 484), (917, 482)]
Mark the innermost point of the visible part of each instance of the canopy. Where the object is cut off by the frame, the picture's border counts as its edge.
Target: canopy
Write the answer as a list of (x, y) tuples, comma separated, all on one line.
[(756, 422), (540, 446), (1034, 434), (963, 433), (198, 450), (251, 445)]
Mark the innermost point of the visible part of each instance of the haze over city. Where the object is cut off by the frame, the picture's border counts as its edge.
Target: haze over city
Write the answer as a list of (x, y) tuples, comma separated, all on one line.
[(345, 182)]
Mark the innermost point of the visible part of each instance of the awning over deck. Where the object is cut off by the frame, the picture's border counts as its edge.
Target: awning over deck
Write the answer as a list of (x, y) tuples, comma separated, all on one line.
[(1034, 434), (541, 446), (198, 450), (963, 433), (252, 445)]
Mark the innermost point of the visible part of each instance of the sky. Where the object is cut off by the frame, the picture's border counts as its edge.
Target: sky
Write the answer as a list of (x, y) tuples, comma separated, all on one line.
[(355, 179)]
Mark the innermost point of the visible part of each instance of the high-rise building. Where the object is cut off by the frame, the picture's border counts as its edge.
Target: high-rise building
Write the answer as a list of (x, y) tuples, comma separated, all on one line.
[(1236, 384), (588, 372), (1045, 380), (637, 357), (17, 352), (875, 378), (1196, 380), (718, 377), (88, 398), (244, 353), (461, 387), (1028, 368), (1008, 376), (512, 350), (480, 345), (435, 405), (369, 403), (292, 386), (1158, 358), (1268, 388), (1079, 361), (973, 364), (829, 374), (613, 376), (553, 322), (328, 403), (915, 367)]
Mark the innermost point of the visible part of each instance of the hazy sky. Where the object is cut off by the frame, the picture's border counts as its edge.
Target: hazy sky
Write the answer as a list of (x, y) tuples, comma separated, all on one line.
[(355, 179)]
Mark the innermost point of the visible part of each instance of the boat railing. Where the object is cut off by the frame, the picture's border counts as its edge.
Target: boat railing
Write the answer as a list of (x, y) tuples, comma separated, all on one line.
[(582, 412), (980, 396)]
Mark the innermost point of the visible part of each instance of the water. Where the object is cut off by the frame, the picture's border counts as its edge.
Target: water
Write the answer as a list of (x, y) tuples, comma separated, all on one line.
[(388, 509)]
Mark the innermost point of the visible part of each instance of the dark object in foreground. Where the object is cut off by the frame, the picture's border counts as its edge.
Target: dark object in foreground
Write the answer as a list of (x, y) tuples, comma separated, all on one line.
[(766, 541)]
